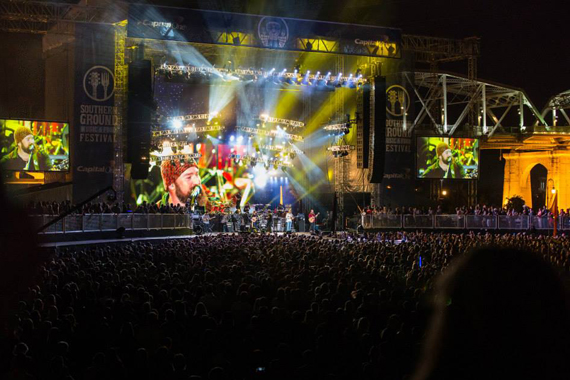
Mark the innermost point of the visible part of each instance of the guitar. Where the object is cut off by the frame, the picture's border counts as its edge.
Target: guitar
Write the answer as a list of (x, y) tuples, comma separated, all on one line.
[(313, 219)]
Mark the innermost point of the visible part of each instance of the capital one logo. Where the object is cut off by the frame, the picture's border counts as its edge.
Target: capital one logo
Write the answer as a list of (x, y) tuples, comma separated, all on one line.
[(99, 83)]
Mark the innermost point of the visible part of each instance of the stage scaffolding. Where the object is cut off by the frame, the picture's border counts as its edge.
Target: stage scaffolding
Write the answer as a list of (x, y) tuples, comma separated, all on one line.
[(59, 18)]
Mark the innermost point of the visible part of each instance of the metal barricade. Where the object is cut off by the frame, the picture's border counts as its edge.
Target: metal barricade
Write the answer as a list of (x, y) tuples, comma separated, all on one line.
[(484, 222), (542, 223), (180, 220), (387, 221), (418, 221), (168, 220), (518, 222), (108, 222), (140, 221), (564, 223), (154, 221), (125, 221), (92, 222), (450, 221), (56, 228), (73, 223)]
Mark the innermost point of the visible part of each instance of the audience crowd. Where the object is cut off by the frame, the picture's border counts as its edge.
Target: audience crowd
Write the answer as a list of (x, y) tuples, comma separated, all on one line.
[(241, 306), (57, 208)]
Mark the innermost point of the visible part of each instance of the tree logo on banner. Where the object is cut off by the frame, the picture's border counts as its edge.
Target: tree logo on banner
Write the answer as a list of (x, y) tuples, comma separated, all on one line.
[(397, 100), (99, 83), (273, 32)]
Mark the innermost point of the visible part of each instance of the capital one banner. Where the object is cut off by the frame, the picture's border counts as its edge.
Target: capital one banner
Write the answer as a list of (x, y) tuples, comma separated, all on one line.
[(94, 113)]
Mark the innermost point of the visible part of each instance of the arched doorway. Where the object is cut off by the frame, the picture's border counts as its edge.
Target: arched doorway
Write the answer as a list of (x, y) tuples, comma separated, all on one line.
[(538, 177)]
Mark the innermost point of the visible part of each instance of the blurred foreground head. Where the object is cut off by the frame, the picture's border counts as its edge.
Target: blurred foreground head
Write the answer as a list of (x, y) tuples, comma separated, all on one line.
[(499, 314)]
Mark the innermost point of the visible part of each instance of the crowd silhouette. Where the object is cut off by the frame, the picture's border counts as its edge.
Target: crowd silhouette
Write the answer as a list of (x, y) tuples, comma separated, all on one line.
[(252, 306)]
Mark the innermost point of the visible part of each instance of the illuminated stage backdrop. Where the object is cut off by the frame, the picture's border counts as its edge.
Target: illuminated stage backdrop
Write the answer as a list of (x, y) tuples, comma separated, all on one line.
[(244, 140)]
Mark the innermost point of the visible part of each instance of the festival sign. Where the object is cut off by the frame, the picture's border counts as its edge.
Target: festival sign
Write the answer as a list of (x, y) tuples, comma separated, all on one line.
[(95, 113), (212, 27)]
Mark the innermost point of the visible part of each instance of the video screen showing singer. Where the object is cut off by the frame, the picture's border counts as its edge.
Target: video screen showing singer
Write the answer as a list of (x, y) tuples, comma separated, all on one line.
[(182, 183), (444, 157), (445, 166), (26, 156)]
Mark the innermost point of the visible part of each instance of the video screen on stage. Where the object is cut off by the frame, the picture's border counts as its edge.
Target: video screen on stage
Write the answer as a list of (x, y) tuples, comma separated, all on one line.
[(34, 146), (447, 158), (221, 145)]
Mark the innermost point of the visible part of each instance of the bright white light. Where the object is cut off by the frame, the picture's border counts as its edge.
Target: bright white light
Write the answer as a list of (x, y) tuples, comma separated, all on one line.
[(232, 138), (260, 177), (198, 147), (240, 138), (176, 124), (213, 151)]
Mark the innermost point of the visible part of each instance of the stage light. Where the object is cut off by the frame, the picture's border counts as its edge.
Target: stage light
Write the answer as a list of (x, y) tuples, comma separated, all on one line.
[(260, 180), (176, 124), (232, 138), (240, 139), (213, 151), (219, 137)]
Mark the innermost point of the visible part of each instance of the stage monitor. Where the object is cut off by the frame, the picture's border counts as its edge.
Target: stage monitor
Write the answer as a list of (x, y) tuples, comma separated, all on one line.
[(34, 145), (447, 158)]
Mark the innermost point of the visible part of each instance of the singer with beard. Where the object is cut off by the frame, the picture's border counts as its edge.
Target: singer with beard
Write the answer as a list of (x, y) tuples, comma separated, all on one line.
[(445, 166), (182, 183), (26, 156)]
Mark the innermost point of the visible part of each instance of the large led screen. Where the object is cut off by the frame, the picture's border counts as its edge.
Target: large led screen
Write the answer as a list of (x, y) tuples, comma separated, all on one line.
[(34, 146), (447, 158), (245, 143)]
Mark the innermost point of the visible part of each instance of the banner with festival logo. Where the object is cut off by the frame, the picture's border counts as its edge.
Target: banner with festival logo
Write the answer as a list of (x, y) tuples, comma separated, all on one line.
[(399, 176), (94, 113)]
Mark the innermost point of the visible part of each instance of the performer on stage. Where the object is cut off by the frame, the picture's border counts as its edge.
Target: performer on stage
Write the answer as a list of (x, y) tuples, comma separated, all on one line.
[(182, 183), (313, 221), (445, 166), (26, 156), (289, 219)]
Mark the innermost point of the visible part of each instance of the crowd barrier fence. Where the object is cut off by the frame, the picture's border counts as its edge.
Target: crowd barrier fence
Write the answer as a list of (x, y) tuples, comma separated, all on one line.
[(111, 222), (463, 222)]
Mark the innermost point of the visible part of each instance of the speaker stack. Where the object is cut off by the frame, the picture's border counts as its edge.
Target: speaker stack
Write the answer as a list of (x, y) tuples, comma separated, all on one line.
[(139, 117)]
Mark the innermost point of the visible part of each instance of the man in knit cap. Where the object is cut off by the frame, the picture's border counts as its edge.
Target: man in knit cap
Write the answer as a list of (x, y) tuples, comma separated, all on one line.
[(26, 156), (445, 166), (181, 181)]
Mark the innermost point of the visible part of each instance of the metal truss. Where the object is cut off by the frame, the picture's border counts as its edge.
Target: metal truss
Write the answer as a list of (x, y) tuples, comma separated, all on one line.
[(121, 86), (558, 104), (446, 100), (41, 17), (432, 50)]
